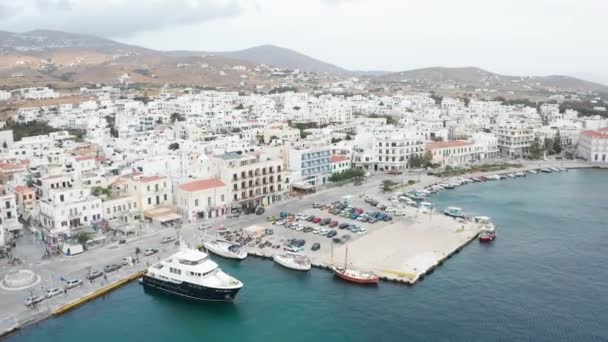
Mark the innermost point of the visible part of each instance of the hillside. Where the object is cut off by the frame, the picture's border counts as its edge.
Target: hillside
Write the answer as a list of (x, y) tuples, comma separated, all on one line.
[(476, 78), (283, 58)]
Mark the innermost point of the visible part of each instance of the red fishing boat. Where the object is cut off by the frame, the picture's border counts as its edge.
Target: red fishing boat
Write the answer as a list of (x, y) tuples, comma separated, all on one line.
[(354, 275), (487, 235)]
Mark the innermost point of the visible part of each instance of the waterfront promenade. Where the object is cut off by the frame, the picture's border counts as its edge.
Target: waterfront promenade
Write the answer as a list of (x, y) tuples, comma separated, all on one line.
[(403, 250)]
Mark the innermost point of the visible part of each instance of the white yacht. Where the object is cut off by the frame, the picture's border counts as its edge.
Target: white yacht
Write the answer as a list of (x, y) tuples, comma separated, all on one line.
[(293, 261), (190, 273), (225, 249)]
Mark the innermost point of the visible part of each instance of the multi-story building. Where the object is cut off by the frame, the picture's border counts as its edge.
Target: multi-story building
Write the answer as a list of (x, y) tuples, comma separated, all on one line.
[(154, 196), (593, 145), (65, 207), (310, 164), (453, 153), (393, 149), (9, 223), (203, 198), (253, 179), (339, 163), (121, 206), (514, 141)]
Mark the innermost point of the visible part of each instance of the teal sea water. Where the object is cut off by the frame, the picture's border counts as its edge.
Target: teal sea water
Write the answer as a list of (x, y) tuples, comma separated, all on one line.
[(545, 278)]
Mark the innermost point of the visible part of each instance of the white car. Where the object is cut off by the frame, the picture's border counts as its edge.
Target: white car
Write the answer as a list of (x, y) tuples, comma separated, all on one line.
[(299, 227), (167, 239), (324, 231), (391, 209), (316, 230), (400, 213), (150, 251), (70, 284), (33, 300), (204, 226), (50, 293), (362, 230), (279, 222)]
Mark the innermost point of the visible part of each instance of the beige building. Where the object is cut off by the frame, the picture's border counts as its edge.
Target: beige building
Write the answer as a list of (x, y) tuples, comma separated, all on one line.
[(453, 153), (514, 141), (153, 195), (252, 179), (593, 145), (203, 198)]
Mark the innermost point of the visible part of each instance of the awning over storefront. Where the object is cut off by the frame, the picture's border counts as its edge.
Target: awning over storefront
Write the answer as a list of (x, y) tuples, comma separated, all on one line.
[(167, 218), (158, 212), (302, 186)]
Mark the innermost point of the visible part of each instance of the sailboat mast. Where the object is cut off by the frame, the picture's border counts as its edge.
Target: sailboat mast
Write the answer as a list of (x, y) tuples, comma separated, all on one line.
[(345, 257)]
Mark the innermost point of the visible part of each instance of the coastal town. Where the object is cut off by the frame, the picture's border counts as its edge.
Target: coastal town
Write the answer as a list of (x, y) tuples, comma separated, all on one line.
[(102, 182)]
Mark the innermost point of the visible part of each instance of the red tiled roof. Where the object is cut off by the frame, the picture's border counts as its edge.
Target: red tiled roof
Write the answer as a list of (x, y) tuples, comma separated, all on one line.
[(602, 133), (445, 144), (84, 158), (338, 159), (151, 179), (202, 184), (22, 188)]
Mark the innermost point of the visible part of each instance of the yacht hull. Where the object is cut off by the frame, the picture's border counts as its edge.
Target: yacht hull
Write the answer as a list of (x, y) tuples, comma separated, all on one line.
[(189, 291)]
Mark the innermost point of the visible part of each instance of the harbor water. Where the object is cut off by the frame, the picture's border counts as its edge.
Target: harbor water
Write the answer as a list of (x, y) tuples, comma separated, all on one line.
[(543, 279)]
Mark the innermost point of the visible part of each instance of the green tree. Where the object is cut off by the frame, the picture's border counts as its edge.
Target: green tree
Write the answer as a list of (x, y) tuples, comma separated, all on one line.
[(348, 137), (536, 150), (335, 140), (549, 145), (346, 174), (174, 146), (82, 238), (387, 185), (557, 143), (177, 117)]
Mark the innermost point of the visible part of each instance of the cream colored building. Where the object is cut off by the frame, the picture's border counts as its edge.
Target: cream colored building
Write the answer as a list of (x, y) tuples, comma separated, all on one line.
[(202, 199), (593, 145)]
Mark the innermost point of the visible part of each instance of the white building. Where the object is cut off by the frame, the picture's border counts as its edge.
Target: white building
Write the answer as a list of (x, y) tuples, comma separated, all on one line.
[(593, 145), (203, 198), (514, 140)]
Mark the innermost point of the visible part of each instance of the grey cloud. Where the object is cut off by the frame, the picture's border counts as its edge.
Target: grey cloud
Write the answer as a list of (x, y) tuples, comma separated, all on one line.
[(117, 18)]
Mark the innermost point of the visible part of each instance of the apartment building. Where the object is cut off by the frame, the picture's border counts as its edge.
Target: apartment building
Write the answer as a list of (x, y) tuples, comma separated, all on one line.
[(393, 148), (454, 153), (310, 164), (514, 141), (150, 192), (65, 206), (253, 179), (593, 145), (121, 206), (202, 199), (9, 223), (339, 163)]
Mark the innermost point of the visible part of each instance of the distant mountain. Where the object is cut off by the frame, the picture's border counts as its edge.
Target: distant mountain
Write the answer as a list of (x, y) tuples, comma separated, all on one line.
[(476, 78), (283, 58), (41, 40), (45, 56)]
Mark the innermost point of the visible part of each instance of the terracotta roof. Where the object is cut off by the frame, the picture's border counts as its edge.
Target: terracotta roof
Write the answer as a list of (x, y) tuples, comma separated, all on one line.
[(22, 188), (602, 133), (84, 158), (446, 144), (151, 179), (202, 184), (338, 159)]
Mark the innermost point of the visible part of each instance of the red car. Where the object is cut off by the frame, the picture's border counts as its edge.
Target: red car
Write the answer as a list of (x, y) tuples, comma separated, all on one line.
[(358, 211), (333, 224), (316, 220)]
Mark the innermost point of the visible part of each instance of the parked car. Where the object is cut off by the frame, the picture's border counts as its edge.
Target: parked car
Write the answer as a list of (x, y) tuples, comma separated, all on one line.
[(343, 225), (324, 231), (316, 220), (316, 230), (325, 221), (332, 233), (307, 229), (315, 246), (316, 205), (111, 268), (127, 260), (391, 209), (279, 222), (50, 293), (362, 231), (332, 224), (70, 284), (167, 239), (33, 300), (337, 240), (272, 219), (150, 251), (260, 211), (94, 274)]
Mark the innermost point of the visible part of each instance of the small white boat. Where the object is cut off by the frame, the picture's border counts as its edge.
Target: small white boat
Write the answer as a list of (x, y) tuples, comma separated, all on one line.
[(546, 170), (555, 169), (562, 169), (293, 261), (520, 174), (493, 177), (225, 249), (510, 175), (533, 171)]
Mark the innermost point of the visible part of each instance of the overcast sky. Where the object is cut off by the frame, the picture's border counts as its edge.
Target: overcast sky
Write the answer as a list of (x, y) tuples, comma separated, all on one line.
[(519, 37)]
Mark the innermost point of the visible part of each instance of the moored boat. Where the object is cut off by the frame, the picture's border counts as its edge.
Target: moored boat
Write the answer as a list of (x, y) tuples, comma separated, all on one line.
[(554, 169), (454, 212), (190, 274), (487, 234), (354, 275), (493, 177), (293, 261), (546, 170), (225, 249), (533, 171)]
